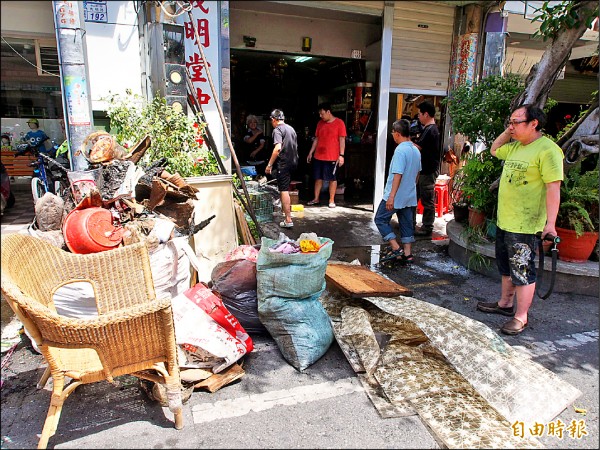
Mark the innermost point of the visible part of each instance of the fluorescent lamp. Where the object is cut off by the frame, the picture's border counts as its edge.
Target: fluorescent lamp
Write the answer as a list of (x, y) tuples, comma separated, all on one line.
[(300, 59)]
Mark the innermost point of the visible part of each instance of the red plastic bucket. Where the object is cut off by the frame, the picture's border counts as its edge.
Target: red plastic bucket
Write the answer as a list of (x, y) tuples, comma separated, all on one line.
[(91, 230)]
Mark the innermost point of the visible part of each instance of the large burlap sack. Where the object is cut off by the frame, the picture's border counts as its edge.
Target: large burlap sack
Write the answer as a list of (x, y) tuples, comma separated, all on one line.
[(289, 287)]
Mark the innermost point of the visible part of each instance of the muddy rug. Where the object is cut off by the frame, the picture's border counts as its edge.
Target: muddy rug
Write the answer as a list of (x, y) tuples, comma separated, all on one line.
[(465, 383)]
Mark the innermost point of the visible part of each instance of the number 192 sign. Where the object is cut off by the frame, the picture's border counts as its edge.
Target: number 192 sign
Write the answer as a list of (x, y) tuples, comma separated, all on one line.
[(95, 11)]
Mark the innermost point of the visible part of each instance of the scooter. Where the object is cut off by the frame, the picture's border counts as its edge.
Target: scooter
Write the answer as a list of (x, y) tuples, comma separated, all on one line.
[(7, 197)]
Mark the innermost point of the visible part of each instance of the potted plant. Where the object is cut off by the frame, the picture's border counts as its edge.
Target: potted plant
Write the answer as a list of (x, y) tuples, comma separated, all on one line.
[(478, 112), (577, 221), (459, 204), (175, 136), (480, 171), (179, 138)]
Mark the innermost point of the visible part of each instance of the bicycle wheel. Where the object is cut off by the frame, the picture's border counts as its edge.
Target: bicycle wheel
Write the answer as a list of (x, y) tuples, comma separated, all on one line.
[(37, 189)]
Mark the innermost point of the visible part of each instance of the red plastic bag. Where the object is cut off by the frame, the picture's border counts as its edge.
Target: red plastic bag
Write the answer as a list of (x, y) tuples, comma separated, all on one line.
[(211, 303)]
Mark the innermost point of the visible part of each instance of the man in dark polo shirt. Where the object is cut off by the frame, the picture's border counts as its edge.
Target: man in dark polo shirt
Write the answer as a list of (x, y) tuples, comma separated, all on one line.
[(431, 156)]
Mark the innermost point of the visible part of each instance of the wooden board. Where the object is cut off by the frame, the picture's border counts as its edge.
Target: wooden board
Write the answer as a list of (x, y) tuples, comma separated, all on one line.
[(359, 281), (218, 380)]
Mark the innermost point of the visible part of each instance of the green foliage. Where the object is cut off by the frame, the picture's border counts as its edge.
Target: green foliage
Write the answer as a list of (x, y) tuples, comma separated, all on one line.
[(174, 135), (479, 172), (479, 111), (253, 230), (478, 262), (579, 207), (561, 16)]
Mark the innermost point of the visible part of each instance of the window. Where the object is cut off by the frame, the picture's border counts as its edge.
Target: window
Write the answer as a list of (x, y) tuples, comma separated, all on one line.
[(47, 58)]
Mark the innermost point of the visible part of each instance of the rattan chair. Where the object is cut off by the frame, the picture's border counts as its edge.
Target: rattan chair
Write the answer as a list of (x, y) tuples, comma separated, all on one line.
[(133, 332)]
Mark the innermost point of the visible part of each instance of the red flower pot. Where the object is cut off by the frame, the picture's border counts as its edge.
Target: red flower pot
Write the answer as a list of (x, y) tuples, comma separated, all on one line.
[(476, 218), (575, 249)]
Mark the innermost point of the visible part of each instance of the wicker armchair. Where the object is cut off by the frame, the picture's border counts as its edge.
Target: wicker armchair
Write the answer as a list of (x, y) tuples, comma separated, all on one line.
[(133, 332)]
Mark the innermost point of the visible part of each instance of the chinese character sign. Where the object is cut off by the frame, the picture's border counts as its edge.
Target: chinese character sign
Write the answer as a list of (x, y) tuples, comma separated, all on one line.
[(67, 14), (206, 23)]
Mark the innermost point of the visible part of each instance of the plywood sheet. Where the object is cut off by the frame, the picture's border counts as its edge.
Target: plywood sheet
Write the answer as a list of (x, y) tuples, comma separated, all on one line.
[(359, 281)]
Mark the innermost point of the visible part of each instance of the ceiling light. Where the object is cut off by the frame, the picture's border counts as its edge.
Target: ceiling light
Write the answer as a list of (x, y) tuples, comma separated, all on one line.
[(300, 59)]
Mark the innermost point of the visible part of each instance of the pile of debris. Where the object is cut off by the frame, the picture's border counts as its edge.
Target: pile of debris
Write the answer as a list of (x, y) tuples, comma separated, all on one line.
[(119, 201), (136, 196)]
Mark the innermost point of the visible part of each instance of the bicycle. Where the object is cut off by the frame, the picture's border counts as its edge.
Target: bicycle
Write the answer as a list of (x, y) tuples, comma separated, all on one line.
[(49, 175)]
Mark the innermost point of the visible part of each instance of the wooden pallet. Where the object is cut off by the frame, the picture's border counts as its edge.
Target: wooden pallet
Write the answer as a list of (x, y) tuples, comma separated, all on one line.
[(17, 166), (359, 281)]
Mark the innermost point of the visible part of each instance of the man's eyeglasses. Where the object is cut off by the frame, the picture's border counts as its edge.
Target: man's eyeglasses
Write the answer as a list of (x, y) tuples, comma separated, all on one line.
[(515, 122)]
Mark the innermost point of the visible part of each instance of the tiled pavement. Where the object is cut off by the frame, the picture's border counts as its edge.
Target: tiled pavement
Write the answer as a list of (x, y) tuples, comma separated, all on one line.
[(20, 216)]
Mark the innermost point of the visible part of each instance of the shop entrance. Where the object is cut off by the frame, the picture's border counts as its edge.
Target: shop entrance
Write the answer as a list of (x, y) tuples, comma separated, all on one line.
[(296, 84)]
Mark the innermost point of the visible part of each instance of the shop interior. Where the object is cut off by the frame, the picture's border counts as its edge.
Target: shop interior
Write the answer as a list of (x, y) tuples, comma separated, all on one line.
[(406, 106), (296, 83)]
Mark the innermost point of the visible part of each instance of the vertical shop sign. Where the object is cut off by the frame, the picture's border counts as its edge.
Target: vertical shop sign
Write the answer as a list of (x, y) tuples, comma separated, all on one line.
[(206, 20)]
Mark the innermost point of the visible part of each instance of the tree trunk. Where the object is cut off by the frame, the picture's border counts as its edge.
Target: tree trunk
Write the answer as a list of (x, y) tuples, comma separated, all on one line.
[(542, 76)]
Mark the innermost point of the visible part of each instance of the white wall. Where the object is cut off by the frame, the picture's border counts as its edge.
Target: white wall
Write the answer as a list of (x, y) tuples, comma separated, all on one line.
[(113, 53), (112, 48), (27, 19), (277, 33)]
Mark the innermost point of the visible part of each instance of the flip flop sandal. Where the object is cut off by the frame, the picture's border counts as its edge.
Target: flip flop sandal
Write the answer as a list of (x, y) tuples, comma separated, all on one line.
[(514, 326), (312, 203), (393, 255), (406, 260)]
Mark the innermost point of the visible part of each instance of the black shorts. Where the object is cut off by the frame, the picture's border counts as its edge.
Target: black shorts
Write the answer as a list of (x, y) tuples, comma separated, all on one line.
[(283, 174), (515, 256), (323, 170)]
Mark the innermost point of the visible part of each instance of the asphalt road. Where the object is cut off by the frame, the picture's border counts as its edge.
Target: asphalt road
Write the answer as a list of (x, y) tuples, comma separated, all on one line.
[(275, 406)]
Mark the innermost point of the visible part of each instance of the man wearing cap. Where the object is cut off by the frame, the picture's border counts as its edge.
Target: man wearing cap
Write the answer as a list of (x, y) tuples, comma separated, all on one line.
[(36, 137), (283, 161)]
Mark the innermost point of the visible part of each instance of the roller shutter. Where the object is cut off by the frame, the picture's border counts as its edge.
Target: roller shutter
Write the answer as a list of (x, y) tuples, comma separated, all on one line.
[(421, 47), (574, 88), (371, 8)]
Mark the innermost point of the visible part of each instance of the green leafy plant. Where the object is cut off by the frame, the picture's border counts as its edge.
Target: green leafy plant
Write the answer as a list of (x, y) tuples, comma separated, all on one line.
[(579, 209), (475, 236), (478, 262), (561, 15), (174, 135), (479, 173), (478, 111), (570, 122)]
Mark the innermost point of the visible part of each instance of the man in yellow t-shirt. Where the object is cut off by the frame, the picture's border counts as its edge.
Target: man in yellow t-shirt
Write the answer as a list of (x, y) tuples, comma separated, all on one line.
[(528, 202)]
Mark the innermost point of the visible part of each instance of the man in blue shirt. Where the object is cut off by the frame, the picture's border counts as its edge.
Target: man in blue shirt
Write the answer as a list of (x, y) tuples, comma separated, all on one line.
[(400, 194), (36, 137)]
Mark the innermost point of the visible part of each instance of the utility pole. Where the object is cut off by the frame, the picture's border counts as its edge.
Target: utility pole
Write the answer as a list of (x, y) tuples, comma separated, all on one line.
[(72, 57)]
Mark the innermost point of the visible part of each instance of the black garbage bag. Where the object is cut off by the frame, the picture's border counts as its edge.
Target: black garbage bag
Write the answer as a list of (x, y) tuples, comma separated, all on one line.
[(235, 281)]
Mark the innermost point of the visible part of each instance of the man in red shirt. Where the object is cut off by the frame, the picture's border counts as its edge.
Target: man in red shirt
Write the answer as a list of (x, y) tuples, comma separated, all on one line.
[(328, 151)]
